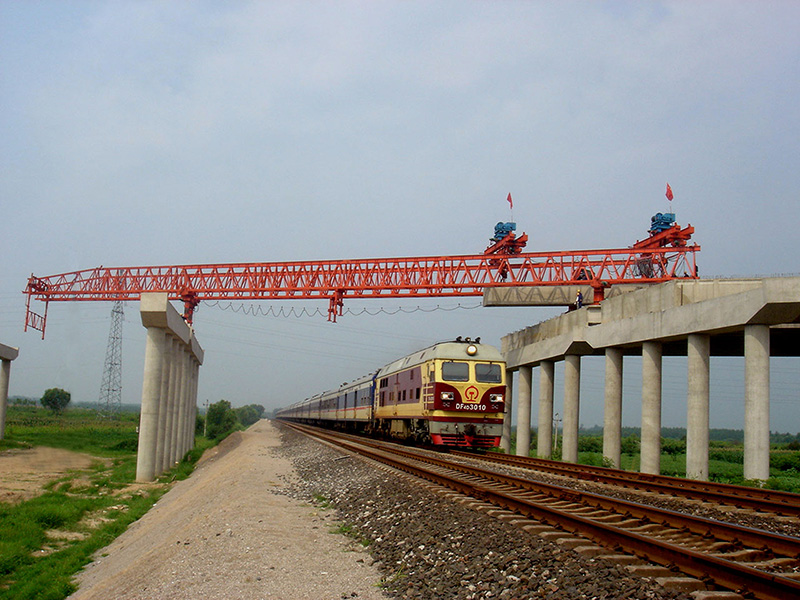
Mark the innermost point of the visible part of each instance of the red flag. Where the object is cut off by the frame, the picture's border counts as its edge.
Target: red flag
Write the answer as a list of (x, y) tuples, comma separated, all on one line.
[(510, 201), (669, 193)]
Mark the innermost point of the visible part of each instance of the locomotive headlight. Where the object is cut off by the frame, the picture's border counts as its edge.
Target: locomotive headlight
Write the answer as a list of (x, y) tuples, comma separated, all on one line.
[(495, 397), (448, 396), (472, 349)]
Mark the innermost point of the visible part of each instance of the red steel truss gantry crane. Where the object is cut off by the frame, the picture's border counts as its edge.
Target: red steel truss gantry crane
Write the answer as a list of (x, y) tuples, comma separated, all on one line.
[(666, 254)]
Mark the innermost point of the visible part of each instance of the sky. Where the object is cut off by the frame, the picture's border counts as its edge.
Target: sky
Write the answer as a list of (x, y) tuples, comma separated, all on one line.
[(170, 133)]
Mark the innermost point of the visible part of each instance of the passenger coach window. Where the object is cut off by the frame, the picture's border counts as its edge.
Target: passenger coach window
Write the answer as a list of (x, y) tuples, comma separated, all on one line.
[(455, 371), (488, 373)]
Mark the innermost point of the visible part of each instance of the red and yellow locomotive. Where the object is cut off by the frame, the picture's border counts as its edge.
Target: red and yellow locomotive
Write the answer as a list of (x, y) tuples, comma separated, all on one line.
[(451, 394)]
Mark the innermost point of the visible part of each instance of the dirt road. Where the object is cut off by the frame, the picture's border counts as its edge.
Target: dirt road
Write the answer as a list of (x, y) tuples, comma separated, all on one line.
[(24, 472), (227, 532)]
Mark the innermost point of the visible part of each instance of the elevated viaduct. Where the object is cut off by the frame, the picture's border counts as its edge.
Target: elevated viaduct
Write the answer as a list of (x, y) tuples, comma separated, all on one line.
[(754, 318)]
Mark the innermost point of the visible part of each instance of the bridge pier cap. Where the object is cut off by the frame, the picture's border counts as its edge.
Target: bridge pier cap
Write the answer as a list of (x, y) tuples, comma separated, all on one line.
[(8, 352), (156, 311), (667, 312)]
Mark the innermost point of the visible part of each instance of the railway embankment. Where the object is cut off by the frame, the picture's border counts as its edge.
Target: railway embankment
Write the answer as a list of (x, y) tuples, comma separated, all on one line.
[(278, 515), (230, 531)]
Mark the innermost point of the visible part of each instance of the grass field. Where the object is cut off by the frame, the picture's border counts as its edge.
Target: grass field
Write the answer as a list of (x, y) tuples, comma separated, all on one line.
[(725, 461), (44, 541)]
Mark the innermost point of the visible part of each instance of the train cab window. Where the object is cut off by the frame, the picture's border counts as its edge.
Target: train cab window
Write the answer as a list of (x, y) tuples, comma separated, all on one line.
[(455, 371), (487, 373)]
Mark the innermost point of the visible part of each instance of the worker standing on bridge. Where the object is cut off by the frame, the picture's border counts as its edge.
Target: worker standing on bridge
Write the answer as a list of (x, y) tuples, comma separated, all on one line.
[(578, 299)]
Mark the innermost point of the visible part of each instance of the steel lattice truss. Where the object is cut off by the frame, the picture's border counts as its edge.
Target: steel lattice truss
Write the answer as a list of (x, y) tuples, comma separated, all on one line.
[(334, 280)]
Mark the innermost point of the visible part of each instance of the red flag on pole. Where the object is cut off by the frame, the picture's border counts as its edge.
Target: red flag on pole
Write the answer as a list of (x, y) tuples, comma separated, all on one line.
[(510, 201), (669, 193)]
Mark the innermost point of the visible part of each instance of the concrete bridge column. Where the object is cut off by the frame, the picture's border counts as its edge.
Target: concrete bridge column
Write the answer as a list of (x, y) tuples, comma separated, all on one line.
[(7, 354), (651, 408), (756, 402), (169, 444), (572, 399), (151, 397), (193, 417), (163, 408), (164, 394), (612, 413), (181, 395), (188, 400), (547, 377), (505, 441), (697, 419), (524, 411), (188, 432), (185, 386)]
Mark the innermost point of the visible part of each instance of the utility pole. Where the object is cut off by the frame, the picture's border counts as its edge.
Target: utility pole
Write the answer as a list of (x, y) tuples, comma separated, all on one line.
[(111, 387), (556, 421), (205, 419)]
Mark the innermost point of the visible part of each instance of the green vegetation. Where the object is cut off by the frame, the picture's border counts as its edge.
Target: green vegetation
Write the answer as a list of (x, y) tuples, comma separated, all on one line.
[(249, 414), (222, 419), (726, 455), (56, 399), (349, 531), (44, 541), (322, 501)]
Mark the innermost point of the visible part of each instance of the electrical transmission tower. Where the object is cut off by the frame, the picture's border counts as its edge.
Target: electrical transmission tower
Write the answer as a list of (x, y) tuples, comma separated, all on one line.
[(111, 386)]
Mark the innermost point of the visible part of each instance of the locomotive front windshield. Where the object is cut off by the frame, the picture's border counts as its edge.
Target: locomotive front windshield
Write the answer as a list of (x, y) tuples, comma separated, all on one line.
[(488, 373), (455, 371), (460, 371)]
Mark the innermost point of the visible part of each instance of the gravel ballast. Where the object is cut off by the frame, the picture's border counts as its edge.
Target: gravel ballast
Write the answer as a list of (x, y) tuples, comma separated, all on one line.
[(273, 514), (429, 546)]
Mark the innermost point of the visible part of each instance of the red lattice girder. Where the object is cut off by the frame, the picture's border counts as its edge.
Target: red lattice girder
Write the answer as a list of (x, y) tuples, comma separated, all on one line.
[(364, 278)]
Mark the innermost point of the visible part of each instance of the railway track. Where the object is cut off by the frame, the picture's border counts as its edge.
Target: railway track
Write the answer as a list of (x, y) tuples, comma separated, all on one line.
[(763, 501), (721, 555)]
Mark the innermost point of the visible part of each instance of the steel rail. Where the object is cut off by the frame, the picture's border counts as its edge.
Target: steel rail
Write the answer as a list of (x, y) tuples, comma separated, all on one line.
[(780, 544), (723, 572), (782, 503)]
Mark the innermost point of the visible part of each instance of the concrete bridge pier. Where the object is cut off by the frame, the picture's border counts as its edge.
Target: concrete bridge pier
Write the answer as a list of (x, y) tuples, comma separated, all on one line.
[(524, 411), (572, 393), (756, 402), (165, 398), (651, 408), (7, 354), (612, 412), (183, 397), (163, 410), (547, 379), (167, 456), (505, 440), (697, 418)]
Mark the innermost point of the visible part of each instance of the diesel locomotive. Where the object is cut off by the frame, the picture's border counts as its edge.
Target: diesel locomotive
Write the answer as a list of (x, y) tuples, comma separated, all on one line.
[(449, 394)]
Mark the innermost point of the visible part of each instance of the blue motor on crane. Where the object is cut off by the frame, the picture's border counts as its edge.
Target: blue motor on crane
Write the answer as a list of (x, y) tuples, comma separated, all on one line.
[(661, 222), (501, 230)]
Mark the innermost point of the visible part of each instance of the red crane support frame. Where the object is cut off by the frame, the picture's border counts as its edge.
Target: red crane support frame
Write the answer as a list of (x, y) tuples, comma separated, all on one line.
[(649, 261)]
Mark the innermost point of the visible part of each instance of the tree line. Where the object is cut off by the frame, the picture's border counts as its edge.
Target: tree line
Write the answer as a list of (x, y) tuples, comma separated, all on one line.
[(222, 419)]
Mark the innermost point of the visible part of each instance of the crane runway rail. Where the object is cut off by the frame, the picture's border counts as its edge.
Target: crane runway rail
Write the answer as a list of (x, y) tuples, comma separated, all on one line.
[(749, 561)]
